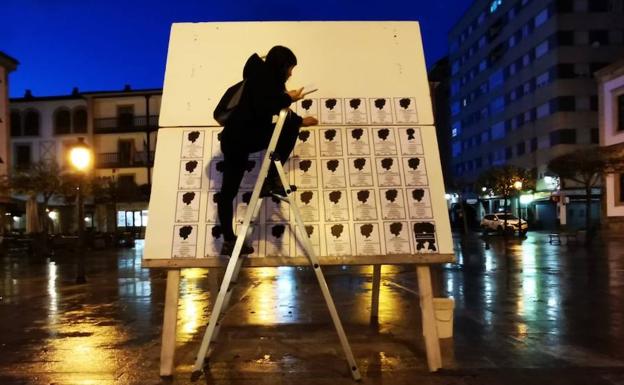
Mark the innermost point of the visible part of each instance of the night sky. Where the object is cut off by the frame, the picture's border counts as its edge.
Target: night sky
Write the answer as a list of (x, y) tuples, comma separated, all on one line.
[(104, 44)]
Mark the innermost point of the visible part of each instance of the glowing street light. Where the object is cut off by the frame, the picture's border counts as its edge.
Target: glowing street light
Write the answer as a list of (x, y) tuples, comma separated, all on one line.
[(518, 186), (81, 159)]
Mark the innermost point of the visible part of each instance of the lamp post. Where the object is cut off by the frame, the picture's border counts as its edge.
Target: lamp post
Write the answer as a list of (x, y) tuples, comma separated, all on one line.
[(518, 186), (81, 159)]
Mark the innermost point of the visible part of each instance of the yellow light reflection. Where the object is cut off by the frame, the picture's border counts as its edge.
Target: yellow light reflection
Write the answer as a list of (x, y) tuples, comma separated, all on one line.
[(192, 301), (52, 294)]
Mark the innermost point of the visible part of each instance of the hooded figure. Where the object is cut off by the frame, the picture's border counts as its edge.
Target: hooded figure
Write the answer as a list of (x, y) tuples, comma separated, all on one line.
[(250, 128)]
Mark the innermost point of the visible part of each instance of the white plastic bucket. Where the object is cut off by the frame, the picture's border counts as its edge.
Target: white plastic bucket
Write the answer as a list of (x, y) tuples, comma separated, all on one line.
[(443, 310)]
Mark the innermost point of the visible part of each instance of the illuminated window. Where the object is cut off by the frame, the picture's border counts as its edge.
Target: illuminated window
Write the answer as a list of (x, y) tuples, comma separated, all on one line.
[(494, 5)]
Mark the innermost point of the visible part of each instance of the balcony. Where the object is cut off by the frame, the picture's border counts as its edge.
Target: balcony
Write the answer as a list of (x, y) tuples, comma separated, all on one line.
[(119, 160), (123, 124)]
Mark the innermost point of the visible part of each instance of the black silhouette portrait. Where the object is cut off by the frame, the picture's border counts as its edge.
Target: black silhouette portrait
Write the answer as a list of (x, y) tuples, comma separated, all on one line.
[(306, 104), (219, 166), (216, 231), (305, 165), (366, 230), (391, 195), (185, 231), (250, 165), (383, 133), (357, 133), (215, 198), (332, 165), (387, 163), (410, 134), (359, 163), (188, 197), (304, 135), (413, 163), (278, 230), (337, 230), (247, 197), (330, 135), (396, 228), (192, 136), (309, 230), (330, 104), (380, 103), (190, 166), (363, 195), (334, 197), (355, 103), (306, 197), (418, 194), (405, 103), (425, 232)]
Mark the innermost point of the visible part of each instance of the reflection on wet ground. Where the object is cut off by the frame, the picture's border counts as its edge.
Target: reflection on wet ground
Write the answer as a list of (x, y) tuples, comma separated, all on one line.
[(524, 308)]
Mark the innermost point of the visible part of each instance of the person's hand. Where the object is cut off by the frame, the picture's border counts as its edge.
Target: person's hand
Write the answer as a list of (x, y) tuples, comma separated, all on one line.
[(296, 94), (309, 121)]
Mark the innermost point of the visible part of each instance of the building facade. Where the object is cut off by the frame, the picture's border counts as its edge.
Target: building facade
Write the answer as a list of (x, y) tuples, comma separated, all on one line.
[(611, 108), (7, 65), (522, 86), (119, 126)]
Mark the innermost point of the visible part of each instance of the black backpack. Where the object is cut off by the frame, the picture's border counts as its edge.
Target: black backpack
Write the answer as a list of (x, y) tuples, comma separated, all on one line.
[(228, 103)]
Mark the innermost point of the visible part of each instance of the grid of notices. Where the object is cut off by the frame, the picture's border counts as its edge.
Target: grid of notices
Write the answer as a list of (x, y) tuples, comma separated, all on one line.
[(361, 177)]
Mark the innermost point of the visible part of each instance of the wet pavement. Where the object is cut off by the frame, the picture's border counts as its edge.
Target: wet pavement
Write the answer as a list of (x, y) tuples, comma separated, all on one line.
[(527, 312)]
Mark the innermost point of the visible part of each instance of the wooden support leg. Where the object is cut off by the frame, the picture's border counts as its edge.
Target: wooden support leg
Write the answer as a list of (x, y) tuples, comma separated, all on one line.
[(375, 294), (432, 343), (167, 349)]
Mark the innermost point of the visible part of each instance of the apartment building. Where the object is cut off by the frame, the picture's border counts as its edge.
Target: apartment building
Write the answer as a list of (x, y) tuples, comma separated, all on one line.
[(611, 109), (522, 86), (119, 126), (7, 65)]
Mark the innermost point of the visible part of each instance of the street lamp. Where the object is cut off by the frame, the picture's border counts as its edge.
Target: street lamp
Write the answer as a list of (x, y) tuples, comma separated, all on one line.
[(518, 186), (81, 159)]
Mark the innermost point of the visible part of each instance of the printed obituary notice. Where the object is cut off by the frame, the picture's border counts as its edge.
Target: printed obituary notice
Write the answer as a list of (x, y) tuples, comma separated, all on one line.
[(277, 238), (411, 142), (276, 210), (356, 111), (308, 107), (364, 205), (331, 111), (367, 240), (184, 241), (392, 204), (360, 172), (216, 144), (419, 203), (384, 141), (305, 146), (306, 175), (358, 141), (415, 172), (397, 237), (388, 173), (187, 207), (334, 173), (331, 142), (405, 109), (381, 110), (338, 239), (211, 210), (336, 206), (192, 144), (308, 201), (190, 175), (252, 169), (214, 240), (215, 174)]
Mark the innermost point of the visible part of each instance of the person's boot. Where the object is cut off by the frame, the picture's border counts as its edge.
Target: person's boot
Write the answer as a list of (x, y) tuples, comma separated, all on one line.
[(228, 248)]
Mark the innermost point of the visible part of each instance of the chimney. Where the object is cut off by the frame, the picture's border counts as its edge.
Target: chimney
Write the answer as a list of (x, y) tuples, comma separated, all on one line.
[(127, 88), (28, 94), (75, 91)]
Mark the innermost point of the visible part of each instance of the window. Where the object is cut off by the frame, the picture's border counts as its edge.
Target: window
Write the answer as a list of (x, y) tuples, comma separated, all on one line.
[(565, 71), (125, 148), (495, 4), (80, 120), (456, 129), (455, 67), (31, 123), (541, 17), (125, 116), (565, 38), (598, 37), (542, 79), (478, 162), (508, 153), (520, 148), (497, 105), (483, 65), (16, 123), (22, 156), (498, 131), (594, 136), (496, 79), (533, 144), (563, 136), (457, 149), (564, 103), (455, 108), (62, 122), (543, 110), (541, 49), (620, 113), (598, 5), (564, 6), (621, 186), (454, 87)]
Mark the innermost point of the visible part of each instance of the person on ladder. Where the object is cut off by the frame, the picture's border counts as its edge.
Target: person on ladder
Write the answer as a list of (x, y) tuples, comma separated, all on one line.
[(249, 130)]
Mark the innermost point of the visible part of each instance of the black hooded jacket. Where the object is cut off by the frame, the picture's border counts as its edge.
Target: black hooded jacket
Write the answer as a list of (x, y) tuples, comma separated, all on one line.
[(250, 127)]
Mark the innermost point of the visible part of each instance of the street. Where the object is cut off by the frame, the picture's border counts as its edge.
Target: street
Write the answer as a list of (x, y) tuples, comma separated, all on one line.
[(526, 311)]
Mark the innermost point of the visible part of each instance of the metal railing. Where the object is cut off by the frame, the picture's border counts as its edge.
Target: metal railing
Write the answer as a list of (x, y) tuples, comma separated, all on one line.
[(118, 159), (125, 124)]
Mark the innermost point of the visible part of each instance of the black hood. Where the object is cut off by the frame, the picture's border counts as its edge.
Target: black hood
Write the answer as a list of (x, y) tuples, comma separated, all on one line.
[(254, 67)]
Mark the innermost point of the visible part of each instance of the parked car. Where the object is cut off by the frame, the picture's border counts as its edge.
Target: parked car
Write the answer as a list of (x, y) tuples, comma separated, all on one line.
[(496, 222)]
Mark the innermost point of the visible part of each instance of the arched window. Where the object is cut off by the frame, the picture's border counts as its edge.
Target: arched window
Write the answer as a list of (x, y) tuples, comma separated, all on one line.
[(62, 121), (80, 120), (31, 123), (16, 123)]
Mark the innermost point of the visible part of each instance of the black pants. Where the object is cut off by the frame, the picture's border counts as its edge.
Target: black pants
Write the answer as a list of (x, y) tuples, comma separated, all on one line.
[(235, 159)]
